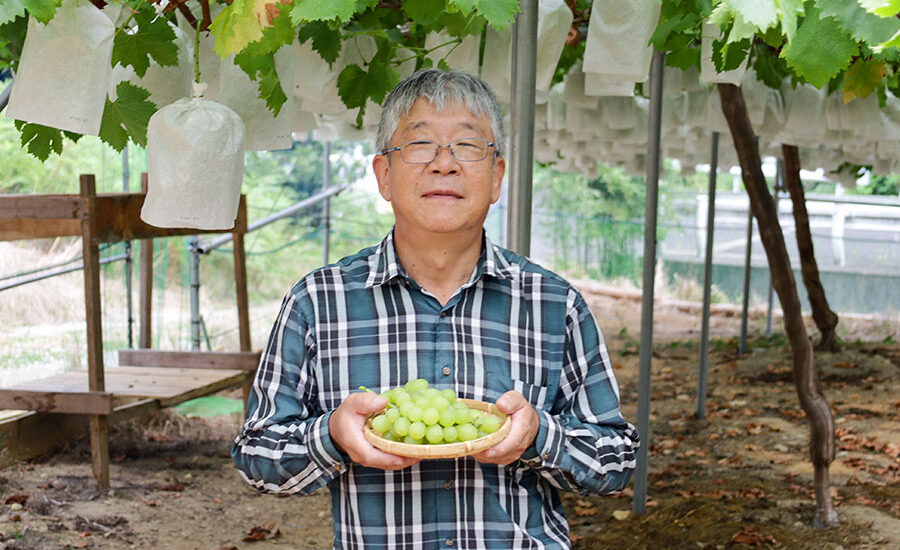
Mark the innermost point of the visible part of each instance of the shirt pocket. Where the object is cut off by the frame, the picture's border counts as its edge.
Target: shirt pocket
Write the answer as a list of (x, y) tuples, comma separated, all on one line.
[(526, 374)]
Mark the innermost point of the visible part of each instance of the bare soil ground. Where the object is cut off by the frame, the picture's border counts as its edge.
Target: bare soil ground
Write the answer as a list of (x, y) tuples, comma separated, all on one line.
[(739, 478)]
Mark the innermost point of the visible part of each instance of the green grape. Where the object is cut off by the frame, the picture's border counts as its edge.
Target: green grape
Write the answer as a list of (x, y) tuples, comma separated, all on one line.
[(400, 426), (414, 414), (482, 434), (401, 396), (461, 416), (412, 440), (475, 416), (381, 424), (431, 393), (405, 408), (392, 414), (490, 423), (389, 395), (434, 434), (419, 384), (417, 430), (440, 403), (423, 402), (449, 395), (460, 405), (466, 432), (430, 416), (450, 434), (447, 418)]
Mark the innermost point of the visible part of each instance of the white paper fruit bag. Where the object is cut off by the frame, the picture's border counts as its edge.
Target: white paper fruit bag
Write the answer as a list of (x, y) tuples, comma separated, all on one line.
[(195, 165), (64, 70)]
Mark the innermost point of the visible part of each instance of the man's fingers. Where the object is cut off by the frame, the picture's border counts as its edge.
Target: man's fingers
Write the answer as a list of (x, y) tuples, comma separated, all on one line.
[(367, 402), (510, 402)]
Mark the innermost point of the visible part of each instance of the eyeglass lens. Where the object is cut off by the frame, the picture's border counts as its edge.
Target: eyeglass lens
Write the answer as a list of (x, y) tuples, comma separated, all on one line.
[(423, 152)]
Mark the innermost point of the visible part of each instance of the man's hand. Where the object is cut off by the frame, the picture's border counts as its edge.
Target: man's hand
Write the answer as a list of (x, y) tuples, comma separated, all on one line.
[(523, 429), (346, 427)]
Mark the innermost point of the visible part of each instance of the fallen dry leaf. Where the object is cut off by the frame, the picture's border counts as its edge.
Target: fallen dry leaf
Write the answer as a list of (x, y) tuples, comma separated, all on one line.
[(264, 532), (150, 503), (17, 499), (176, 486), (582, 511), (621, 514), (746, 537)]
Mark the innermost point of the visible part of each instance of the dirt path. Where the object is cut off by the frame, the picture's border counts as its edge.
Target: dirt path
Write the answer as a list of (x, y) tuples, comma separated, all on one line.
[(740, 478)]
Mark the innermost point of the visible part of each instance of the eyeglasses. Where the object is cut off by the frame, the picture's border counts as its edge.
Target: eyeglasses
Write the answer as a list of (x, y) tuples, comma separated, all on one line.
[(423, 152)]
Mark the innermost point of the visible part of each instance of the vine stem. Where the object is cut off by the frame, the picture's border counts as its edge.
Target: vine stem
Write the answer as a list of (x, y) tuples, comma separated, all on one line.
[(197, 53)]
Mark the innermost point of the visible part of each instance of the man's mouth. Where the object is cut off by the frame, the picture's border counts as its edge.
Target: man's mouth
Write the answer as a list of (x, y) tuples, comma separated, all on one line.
[(442, 194)]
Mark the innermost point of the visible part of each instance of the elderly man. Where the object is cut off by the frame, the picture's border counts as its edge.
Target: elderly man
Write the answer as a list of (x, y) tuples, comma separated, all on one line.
[(437, 300)]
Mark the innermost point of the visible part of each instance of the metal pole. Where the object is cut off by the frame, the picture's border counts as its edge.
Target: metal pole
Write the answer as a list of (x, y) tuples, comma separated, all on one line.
[(195, 292), (63, 271), (4, 95), (707, 276), (129, 266), (779, 185), (645, 355), (742, 346), (206, 248), (326, 210), (521, 138)]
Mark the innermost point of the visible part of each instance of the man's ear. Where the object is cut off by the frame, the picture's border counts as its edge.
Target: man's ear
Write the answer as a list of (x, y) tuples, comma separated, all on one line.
[(497, 178), (381, 166)]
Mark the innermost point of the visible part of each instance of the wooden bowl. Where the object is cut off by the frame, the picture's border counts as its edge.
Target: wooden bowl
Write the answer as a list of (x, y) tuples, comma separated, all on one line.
[(442, 450)]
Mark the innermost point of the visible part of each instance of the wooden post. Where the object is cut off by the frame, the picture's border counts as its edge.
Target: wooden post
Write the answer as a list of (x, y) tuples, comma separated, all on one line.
[(240, 283), (99, 427), (146, 283)]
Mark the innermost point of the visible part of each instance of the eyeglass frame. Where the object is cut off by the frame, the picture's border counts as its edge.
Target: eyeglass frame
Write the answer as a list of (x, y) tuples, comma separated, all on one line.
[(437, 149)]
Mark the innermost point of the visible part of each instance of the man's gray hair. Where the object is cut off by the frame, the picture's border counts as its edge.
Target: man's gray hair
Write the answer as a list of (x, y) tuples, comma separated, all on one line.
[(440, 88)]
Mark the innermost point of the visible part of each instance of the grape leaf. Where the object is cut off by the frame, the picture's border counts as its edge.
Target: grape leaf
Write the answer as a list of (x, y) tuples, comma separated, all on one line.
[(862, 78), (356, 85), (499, 13), (42, 10), (127, 116), (769, 69), (820, 49), (40, 140), (465, 7), (317, 10), (729, 56), (859, 23), (235, 27), (790, 11), (883, 8), (271, 91), (423, 12), (894, 42), (10, 9), (682, 51), (12, 41), (153, 38), (325, 40), (762, 14)]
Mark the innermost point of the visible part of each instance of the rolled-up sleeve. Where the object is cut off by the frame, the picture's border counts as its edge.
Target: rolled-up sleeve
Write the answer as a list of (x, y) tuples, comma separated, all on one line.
[(285, 445), (583, 443)]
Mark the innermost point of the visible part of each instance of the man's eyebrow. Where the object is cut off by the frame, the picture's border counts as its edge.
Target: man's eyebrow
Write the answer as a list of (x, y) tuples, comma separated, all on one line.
[(421, 123)]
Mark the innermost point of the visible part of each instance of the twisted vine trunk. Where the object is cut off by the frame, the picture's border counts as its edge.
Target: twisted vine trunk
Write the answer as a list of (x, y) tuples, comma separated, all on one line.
[(806, 377), (825, 319)]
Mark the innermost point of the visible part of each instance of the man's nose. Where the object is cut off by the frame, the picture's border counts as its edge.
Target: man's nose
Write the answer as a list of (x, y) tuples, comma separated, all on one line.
[(444, 162)]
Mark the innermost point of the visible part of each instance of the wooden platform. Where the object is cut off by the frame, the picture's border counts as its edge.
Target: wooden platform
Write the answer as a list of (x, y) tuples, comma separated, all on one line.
[(169, 386)]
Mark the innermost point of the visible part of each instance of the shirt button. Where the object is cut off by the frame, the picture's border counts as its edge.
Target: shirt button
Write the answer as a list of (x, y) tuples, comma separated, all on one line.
[(449, 542), (448, 485), (446, 371), (444, 314)]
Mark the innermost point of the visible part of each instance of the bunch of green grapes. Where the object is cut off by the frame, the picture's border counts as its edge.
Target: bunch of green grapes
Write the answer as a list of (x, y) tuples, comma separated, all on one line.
[(417, 414)]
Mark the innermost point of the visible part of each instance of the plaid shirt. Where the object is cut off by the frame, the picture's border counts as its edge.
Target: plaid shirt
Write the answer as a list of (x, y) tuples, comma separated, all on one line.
[(512, 326)]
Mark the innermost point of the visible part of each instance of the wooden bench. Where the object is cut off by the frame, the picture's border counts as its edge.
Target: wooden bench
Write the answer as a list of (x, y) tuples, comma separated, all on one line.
[(145, 380)]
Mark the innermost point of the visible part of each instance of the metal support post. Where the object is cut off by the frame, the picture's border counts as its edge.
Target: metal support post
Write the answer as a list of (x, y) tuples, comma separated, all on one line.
[(129, 267), (193, 242), (326, 205), (707, 277), (521, 138), (645, 354)]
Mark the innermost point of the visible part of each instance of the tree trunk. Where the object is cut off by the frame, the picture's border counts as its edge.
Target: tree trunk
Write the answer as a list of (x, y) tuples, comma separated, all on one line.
[(806, 377), (825, 319)]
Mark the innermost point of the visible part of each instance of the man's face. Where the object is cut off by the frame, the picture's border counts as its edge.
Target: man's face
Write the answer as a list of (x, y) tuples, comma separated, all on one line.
[(445, 195)]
